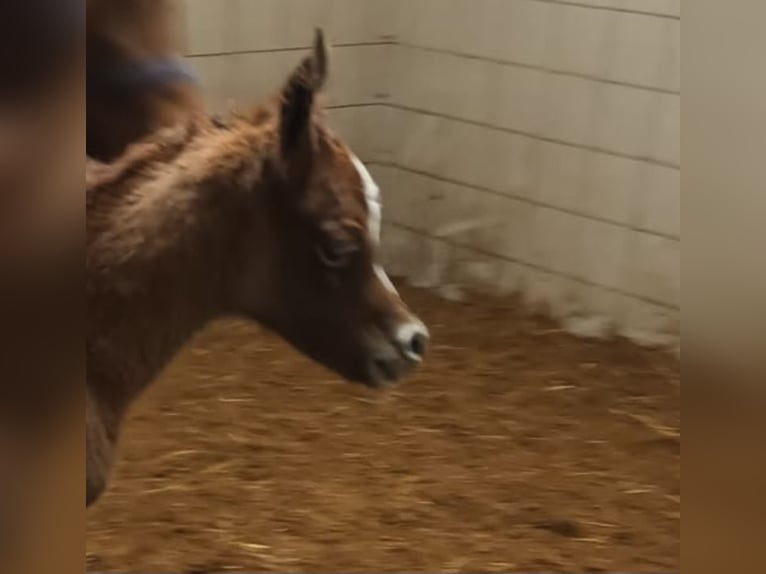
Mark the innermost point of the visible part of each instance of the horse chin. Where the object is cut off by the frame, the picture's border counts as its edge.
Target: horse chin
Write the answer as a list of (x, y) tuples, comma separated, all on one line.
[(379, 367), (372, 360), (360, 371), (363, 374), (384, 374)]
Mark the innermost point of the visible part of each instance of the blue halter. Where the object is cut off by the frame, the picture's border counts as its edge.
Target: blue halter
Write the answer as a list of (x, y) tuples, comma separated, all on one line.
[(149, 74)]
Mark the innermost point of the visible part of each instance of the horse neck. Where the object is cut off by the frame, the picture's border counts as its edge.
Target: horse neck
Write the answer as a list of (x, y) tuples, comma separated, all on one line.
[(158, 269)]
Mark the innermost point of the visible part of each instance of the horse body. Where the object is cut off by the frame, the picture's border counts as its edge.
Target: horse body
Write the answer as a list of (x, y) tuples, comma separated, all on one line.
[(268, 216), (137, 82)]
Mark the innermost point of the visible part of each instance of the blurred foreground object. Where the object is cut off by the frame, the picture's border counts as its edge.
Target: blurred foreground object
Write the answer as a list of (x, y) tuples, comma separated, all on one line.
[(37, 42), (42, 146)]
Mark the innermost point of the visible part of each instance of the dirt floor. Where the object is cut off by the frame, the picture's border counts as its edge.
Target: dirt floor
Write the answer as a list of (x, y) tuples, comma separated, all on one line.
[(515, 447)]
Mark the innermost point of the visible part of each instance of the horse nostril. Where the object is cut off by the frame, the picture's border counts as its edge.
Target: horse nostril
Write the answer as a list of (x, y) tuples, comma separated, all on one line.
[(414, 340), (418, 344)]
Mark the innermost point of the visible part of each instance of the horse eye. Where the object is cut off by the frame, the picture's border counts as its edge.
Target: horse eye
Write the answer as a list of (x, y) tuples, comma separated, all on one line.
[(336, 254)]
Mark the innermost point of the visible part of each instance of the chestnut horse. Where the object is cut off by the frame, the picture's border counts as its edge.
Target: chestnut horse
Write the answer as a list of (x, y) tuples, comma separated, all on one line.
[(267, 216)]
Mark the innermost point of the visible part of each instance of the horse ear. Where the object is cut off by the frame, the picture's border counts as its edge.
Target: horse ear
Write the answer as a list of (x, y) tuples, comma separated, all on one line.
[(299, 93)]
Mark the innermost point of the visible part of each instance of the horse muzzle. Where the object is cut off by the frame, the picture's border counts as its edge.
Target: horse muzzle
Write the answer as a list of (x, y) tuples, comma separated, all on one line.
[(394, 355)]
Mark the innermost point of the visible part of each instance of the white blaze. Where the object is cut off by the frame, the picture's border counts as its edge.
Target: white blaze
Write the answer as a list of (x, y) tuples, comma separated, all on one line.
[(374, 215)]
